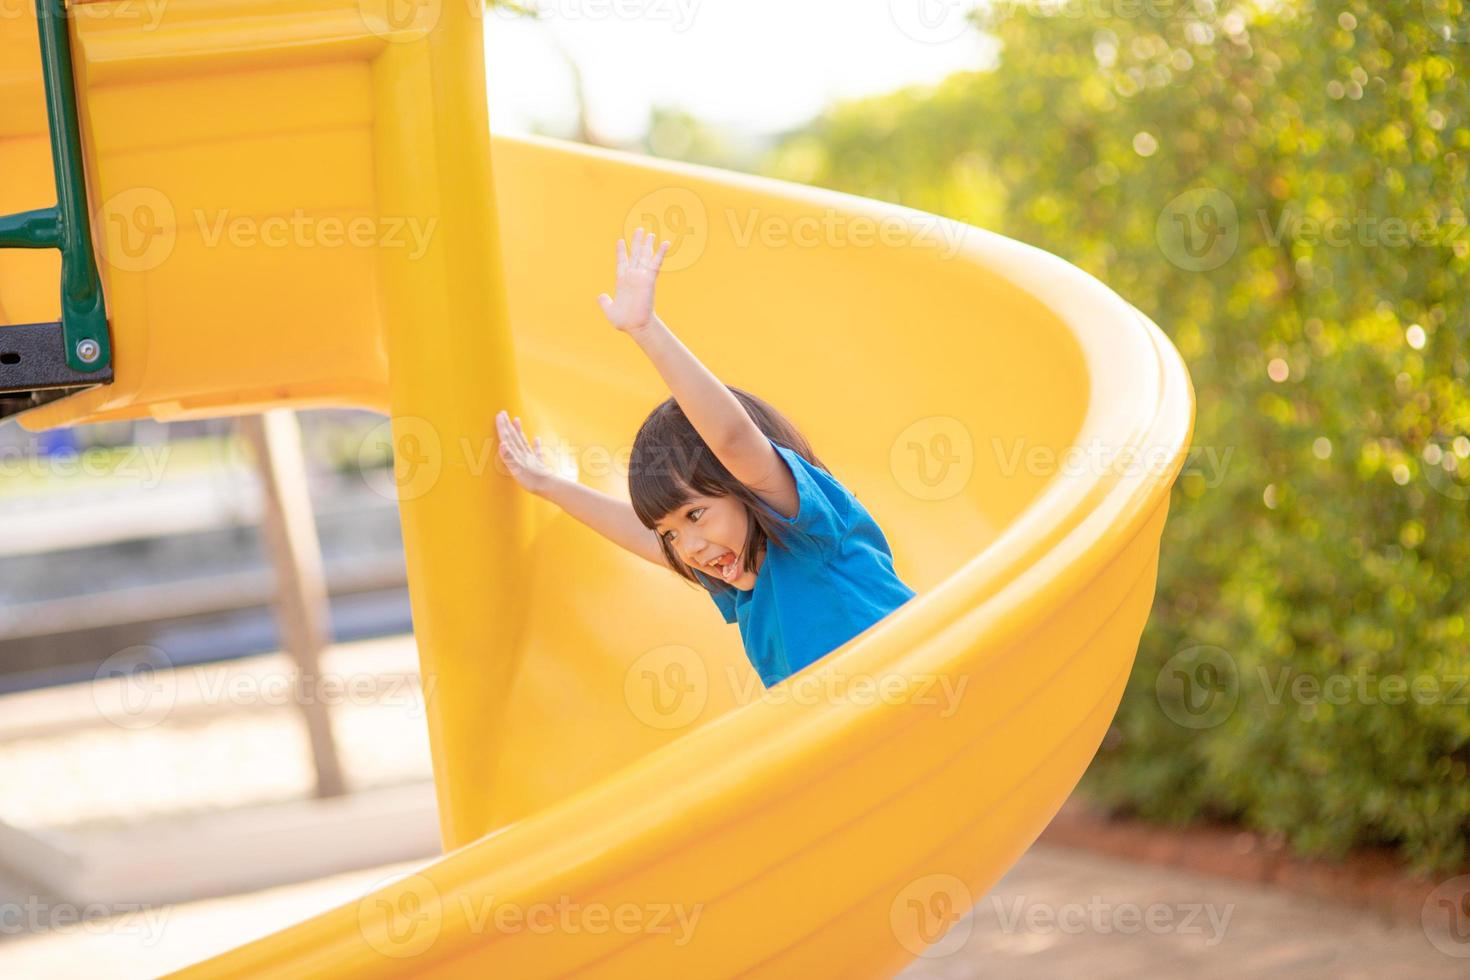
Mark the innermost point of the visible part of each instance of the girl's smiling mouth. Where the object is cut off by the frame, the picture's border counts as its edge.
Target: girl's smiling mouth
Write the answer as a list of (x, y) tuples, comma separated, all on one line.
[(727, 565)]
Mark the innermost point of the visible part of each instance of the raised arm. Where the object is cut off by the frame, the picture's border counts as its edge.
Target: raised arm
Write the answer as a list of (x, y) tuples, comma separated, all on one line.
[(610, 516), (715, 413)]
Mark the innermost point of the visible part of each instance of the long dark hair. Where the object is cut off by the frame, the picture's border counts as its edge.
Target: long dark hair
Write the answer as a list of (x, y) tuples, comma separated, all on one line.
[(670, 464)]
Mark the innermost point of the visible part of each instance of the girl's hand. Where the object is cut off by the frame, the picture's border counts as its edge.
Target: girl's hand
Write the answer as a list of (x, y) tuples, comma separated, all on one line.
[(633, 307), (526, 462)]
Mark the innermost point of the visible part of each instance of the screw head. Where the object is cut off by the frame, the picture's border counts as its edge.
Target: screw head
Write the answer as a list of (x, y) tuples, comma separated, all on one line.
[(88, 350)]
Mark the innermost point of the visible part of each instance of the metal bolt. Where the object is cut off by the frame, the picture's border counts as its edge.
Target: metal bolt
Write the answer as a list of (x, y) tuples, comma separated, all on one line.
[(88, 350)]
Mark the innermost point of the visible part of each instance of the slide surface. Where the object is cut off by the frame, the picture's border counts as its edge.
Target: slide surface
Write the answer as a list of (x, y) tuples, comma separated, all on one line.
[(618, 795)]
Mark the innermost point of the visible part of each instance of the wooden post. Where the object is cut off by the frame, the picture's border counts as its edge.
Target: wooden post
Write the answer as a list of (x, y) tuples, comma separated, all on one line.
[(301, 596)]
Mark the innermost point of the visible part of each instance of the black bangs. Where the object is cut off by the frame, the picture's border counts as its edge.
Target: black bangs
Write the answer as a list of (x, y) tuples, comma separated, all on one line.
[(670, 464), (655, 492)]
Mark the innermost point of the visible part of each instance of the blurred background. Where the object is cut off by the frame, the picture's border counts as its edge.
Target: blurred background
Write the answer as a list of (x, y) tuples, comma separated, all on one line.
[(1279, 185)]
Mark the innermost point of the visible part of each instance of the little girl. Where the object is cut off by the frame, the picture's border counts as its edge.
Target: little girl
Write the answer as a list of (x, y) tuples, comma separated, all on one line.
[(727, 493)]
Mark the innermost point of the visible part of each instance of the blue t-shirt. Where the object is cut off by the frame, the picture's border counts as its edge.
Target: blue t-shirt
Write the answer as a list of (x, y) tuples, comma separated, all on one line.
[(834, 580)]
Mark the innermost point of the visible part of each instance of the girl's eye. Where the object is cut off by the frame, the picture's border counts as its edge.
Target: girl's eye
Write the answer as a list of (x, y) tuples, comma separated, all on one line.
[(694, 515)]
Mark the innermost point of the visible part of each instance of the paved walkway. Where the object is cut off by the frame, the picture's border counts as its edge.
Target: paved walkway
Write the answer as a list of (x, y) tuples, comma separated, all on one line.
[(1068, 913), (1058, 913)]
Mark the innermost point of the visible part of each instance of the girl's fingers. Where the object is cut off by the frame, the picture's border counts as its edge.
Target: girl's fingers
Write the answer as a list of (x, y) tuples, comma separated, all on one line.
[(658, 260), (509, 450), (511, 434)]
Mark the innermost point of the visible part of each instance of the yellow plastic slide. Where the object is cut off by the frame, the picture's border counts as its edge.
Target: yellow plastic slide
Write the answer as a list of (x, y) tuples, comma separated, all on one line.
[(299, 203)]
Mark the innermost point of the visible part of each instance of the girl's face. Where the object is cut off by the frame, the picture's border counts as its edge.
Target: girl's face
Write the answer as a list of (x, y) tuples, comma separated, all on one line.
[(708, 533)]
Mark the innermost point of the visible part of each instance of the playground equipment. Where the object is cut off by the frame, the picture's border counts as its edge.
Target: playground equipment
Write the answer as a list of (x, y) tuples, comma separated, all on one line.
[(300, 203)]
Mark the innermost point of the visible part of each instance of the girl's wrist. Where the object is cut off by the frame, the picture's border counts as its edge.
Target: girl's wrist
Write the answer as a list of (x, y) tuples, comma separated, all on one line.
[(650, 330)]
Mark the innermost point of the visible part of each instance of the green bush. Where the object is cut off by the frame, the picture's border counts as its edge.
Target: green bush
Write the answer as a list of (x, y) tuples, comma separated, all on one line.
[(1328, 353)]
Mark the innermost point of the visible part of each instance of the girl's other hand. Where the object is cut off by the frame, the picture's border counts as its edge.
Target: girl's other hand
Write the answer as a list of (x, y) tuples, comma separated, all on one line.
[(526, 462), (631, 310)]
